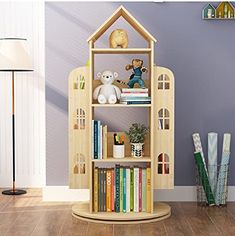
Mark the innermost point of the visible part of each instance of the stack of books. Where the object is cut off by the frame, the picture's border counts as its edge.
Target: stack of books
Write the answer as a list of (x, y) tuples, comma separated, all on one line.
[(122, 189), (135, 96), (99, 140)]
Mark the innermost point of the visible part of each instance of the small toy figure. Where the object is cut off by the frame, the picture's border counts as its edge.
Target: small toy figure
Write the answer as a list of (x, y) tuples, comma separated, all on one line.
[(107, 92), (118, 38), (138, 69)]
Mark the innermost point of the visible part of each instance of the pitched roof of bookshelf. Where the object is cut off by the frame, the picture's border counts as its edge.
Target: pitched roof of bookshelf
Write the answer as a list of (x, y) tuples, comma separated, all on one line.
[(121, 11)]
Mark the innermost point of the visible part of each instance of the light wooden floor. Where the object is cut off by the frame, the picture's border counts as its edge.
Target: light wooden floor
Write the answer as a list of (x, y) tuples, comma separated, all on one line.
[(28, 215)]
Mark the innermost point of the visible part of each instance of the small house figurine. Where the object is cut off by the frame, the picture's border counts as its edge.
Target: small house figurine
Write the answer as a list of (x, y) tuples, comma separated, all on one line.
[(225, 10), (208, 12)]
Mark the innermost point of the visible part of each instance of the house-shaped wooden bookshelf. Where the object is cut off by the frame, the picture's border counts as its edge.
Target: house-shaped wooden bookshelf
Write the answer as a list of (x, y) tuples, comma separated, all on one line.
[(159, 144)]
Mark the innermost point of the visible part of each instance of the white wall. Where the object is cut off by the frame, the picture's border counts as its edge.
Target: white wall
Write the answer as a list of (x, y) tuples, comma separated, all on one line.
[(24, 19)]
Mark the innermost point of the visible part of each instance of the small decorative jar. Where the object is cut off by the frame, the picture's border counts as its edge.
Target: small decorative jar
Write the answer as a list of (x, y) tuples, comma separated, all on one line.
[(137, 150)]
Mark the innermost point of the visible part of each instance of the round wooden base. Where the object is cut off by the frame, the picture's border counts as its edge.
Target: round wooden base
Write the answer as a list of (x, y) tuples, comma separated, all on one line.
[(161, 212)]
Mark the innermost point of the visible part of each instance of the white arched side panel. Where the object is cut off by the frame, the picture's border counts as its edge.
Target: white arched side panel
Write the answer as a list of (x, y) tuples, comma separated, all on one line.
[(79, 128), (24, 20), (164, 128)]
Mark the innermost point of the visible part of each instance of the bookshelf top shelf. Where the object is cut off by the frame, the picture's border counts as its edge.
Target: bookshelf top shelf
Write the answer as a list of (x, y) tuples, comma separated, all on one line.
[(126, 159), (121, 105), (121, 50)]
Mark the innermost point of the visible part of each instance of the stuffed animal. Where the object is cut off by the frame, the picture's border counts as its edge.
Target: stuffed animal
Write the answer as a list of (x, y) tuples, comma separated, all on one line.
[(138, 69), (107, 92), (118, 38)]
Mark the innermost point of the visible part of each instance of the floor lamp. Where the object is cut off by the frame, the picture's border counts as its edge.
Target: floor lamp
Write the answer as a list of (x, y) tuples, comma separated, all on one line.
[(14, 58)]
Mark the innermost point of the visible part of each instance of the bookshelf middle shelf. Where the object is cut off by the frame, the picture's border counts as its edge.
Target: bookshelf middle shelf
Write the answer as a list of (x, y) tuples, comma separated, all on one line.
[(125, 159), (108, 144)]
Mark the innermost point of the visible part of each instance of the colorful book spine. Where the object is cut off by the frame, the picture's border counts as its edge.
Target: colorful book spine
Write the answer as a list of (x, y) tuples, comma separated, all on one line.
[(140, 189), (117, 188), (112, 190), (148, 194), (92, 140), (98, 138), (135, 102), (131, 189), (96, 190), (124, 189), (135, 98), (101, 142), (101, 189), (105, 191), (95, 139), (133, 90), (127, 189), (124, 95), (144, 184), (105, 141), (108, 190), (121, 189), (136, 189)]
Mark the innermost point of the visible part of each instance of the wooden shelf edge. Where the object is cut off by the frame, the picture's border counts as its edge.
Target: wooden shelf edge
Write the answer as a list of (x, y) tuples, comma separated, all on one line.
[(125, 159), (121, 50), (161, 211), (121, 105), (218, 18)]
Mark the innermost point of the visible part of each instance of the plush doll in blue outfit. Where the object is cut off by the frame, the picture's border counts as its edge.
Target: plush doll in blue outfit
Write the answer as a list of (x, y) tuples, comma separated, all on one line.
[(138, 69)]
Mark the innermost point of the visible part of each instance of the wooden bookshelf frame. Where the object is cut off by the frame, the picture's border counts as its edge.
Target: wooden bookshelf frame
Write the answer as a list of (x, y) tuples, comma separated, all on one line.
[(78, 143)]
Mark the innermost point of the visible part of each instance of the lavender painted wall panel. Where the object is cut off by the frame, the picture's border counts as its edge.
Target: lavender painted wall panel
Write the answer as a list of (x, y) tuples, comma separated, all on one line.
[(200, 53)]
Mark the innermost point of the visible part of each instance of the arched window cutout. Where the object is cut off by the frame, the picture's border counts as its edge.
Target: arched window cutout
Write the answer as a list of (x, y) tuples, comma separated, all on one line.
[(75, 84), (80, 166), (163, 82), (82, 118), (163, 119), (163, 165), (82, 82), (76, 118)]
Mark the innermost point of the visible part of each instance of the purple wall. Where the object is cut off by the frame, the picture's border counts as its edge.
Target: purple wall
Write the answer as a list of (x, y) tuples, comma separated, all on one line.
[(200, 53)]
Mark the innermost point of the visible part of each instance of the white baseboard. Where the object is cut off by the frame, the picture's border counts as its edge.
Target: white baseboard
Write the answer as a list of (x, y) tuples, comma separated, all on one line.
[(178, 194)]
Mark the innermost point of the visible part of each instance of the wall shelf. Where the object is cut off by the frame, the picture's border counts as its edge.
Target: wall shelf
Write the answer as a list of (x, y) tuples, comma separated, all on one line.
[(224, 11)]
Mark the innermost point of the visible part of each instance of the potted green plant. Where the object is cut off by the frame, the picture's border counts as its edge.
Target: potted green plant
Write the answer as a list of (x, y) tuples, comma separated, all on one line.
[(136, 134)]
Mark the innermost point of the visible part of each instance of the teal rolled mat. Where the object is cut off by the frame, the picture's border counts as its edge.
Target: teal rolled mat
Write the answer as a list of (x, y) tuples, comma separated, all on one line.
[(202, 172), (212, 160)]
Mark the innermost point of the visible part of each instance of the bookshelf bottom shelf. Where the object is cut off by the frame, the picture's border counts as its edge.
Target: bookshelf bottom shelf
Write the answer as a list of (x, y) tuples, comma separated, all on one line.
[(161, 212)]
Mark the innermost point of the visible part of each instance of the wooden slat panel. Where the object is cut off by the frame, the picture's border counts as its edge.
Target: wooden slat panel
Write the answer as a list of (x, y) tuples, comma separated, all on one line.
[(79, 142), (164, 139)]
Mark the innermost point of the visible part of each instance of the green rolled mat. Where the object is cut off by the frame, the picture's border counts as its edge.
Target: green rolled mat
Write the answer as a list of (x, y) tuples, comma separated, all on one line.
[(202, 172)]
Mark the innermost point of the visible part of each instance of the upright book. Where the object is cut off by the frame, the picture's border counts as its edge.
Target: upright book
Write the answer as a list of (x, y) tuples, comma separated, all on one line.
[(136, 189), (117, 188)]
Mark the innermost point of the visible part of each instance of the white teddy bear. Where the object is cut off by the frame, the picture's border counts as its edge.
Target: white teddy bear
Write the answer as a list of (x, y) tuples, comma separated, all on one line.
[(107, 92)]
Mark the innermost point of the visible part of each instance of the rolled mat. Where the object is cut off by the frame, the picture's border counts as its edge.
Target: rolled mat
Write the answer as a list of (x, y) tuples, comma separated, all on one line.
[(202, 172), (212, 160), (221, 189)]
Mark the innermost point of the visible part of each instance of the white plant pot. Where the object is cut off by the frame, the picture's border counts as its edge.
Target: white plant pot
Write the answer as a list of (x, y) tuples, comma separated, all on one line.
[(137, 150)]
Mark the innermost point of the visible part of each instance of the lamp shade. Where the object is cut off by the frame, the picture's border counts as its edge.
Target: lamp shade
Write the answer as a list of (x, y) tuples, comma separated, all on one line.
[(14, 55)]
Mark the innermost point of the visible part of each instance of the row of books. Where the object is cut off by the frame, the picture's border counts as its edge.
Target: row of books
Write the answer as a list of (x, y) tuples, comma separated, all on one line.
[(122, 189), (99, 140), (135, 96)]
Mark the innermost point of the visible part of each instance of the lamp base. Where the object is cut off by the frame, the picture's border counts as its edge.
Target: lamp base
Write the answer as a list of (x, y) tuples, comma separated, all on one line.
[(16, 192)]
